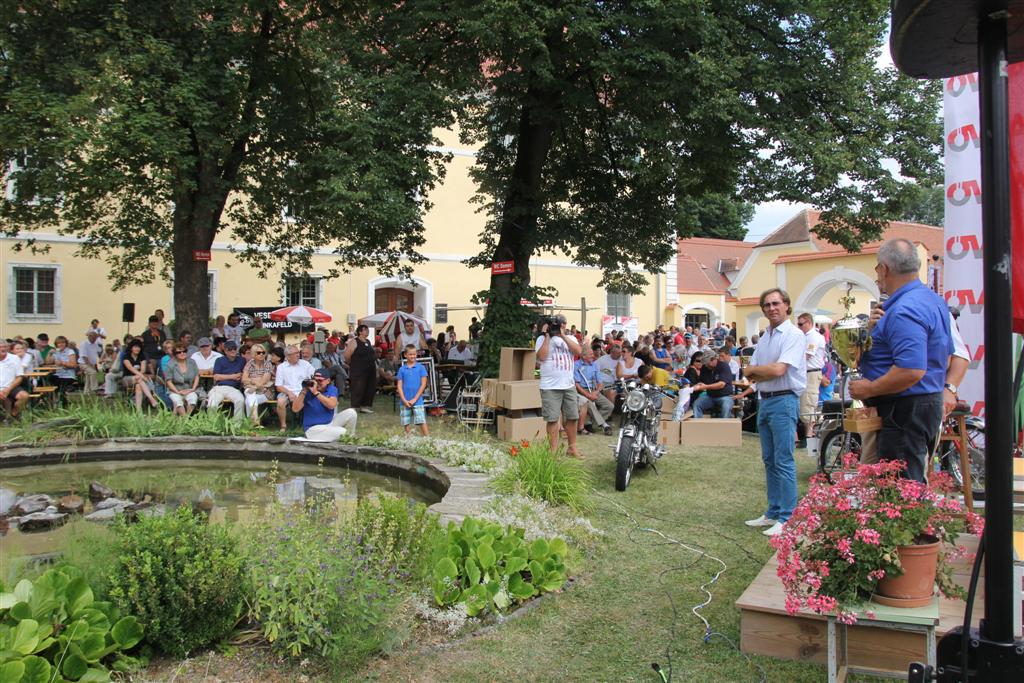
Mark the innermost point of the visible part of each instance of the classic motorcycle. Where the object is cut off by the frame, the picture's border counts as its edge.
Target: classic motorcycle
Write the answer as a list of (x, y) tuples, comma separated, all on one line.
[(637, 445)]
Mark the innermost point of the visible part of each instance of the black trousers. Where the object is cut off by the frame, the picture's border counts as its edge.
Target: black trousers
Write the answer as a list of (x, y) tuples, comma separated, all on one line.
[(910, 425), (363, 387)]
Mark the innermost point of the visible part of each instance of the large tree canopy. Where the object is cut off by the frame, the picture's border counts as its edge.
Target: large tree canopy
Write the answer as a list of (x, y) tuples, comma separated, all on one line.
[(140, 125), (608, 128)]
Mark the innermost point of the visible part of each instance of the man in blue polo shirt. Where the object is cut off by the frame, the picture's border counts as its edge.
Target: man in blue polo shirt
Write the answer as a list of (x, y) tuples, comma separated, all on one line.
[(905, 369)]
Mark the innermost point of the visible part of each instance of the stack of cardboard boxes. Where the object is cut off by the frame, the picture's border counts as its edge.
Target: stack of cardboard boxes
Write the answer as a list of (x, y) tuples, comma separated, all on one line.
[(693, 432), (517, 393)]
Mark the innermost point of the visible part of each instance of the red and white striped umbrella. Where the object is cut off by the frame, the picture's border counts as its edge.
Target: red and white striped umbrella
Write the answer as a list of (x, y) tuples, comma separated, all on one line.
[(303, 315), (389, 323)]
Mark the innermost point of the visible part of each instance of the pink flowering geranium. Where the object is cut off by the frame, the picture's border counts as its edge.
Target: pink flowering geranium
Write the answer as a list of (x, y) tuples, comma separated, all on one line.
[(842, 537)]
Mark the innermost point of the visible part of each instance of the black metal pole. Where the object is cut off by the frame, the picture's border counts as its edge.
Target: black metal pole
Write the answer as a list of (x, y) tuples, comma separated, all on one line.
[(995, 192)]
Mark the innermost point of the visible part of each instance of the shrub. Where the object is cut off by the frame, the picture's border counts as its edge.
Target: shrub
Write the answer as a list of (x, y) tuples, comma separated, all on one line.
[(538, 473), (540, 519), (486, 567), (53, 629), (183, 578), (316, 590), (396, 534)]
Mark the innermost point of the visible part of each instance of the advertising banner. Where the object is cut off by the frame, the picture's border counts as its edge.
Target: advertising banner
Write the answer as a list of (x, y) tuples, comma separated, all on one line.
[(611, 323), (246, 315), (963, 277)]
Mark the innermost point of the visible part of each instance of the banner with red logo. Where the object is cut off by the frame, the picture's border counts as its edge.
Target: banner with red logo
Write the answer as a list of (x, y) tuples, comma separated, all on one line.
[(963, 276)]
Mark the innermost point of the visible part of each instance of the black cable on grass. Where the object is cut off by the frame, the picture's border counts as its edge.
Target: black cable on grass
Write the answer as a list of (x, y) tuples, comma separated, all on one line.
[(696, 610)]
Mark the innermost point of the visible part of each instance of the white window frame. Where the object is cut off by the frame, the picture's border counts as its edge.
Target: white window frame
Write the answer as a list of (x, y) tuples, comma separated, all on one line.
[(13, 317), (317, 277), (614, 310)]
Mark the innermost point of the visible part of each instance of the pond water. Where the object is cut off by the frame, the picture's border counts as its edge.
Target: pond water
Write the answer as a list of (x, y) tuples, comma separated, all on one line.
[(237, 489)]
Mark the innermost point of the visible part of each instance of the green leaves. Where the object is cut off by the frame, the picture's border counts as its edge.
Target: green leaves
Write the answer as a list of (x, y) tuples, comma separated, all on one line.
[(54, 619), (487, 567)]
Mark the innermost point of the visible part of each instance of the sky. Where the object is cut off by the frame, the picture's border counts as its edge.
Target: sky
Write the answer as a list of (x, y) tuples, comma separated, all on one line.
[(771, 215)]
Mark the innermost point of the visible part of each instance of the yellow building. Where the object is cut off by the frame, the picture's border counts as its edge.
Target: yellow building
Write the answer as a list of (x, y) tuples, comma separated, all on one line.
[(59, 293), (721, 280)]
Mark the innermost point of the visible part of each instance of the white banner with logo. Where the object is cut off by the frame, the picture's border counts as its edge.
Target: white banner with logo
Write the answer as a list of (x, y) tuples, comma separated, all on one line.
[(963, 276), (631, 326)]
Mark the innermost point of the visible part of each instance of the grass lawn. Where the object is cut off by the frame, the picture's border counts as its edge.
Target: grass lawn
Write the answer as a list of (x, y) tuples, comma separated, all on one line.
[(630, 605)]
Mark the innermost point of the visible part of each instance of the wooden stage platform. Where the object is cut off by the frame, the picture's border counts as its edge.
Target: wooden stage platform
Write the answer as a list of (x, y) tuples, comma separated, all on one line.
[(766, 628)]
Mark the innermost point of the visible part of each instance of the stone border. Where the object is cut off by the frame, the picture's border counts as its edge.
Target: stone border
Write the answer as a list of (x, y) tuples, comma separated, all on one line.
[(462, 492)]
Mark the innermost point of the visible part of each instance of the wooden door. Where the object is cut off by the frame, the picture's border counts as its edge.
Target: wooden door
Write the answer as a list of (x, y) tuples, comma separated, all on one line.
[(392, 299)]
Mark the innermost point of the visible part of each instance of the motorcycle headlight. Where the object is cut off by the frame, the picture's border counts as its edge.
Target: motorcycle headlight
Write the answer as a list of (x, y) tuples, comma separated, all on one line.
[(635, 400)]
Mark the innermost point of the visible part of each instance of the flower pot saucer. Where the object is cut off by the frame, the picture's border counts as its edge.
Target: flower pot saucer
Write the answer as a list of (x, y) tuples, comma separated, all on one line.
[(901, 602)]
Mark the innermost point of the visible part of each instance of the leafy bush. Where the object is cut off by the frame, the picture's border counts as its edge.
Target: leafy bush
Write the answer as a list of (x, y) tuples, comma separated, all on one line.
[(487, 567), (315, 588), (538, 473), (539, 519), (475, 456), (182, 577), (105, 421), (52, 629), (396, 534)]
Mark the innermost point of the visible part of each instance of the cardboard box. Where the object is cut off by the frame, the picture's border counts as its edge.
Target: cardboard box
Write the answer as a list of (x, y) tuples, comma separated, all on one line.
[(489, 393), (669, 432), (519, 428), (519, 395), (516, 364), (723, 432), (668, 405)]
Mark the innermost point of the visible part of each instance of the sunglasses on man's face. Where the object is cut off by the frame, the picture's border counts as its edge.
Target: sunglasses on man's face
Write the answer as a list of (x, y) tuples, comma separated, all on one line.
[(260, 353)]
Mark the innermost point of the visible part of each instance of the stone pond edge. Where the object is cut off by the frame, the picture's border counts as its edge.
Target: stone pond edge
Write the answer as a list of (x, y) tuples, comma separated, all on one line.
[(463, 493)]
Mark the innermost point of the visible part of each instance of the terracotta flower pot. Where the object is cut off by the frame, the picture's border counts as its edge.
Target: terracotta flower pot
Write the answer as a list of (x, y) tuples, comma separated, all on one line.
[(916, 586)]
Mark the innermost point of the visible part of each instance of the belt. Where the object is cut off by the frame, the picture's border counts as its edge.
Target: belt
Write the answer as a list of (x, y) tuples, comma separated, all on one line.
[(773, 394), (815, 370)]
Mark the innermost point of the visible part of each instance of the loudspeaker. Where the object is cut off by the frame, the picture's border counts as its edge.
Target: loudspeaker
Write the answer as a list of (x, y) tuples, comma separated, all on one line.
[(127, 313)]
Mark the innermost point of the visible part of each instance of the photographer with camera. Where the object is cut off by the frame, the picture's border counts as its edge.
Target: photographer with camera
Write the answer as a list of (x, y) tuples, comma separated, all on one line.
[(318, 400), (556, 351)]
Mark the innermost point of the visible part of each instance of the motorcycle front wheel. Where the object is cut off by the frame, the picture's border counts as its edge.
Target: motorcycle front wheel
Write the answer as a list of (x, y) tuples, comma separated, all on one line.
[(624, 462), (833, 448)]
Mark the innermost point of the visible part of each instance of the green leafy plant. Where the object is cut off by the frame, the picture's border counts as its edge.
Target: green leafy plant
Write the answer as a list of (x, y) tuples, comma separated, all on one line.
[(52, 629), (487, 567), (184, 579), (538, 473), (396, 534), (316, 589)]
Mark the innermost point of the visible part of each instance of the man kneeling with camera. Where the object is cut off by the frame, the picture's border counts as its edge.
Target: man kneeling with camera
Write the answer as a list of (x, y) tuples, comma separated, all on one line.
[(317, 401)]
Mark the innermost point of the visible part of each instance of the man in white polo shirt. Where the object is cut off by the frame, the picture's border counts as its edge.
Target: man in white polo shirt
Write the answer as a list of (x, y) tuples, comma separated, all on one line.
[(13, 396), (205, 357), (89, 352), (815, 362), (289, 382), (779, 366)]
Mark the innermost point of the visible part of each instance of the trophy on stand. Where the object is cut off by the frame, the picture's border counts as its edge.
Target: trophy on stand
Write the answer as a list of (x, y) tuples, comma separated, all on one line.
[(850, 339)]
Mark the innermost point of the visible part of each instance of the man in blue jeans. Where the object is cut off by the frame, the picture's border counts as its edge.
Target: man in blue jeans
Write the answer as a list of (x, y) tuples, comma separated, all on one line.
[(716, 380), (779, 366)]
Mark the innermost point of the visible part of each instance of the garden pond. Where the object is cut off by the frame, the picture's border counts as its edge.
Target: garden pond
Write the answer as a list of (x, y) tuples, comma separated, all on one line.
[(233, 490)]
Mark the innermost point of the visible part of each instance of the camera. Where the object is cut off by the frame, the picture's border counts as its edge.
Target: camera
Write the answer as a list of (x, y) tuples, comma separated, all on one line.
[(308, 384), (554, 324)]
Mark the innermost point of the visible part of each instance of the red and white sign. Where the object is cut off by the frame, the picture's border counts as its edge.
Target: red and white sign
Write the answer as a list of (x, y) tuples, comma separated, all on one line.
[(631, 326), (538, 302), (963, 277), (201, 255), (503, 267)]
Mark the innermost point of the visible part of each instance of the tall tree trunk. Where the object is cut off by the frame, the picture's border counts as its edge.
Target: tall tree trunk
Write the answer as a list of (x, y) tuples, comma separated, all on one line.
[(196, 222), (507, 322)]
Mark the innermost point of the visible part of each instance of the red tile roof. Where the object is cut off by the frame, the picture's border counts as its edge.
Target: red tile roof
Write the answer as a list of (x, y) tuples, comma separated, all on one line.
[(698, 259), (799, 229)]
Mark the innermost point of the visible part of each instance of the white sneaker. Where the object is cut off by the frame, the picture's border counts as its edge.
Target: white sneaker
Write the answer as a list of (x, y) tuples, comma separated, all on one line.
[(761, 521), (366, 410), (775, 530)]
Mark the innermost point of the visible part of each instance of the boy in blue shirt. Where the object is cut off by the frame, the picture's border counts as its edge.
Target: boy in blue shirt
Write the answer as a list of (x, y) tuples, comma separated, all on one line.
[(411, 382)]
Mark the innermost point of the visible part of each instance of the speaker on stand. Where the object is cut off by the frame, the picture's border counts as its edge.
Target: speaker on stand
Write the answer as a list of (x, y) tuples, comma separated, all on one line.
[(127, 316)]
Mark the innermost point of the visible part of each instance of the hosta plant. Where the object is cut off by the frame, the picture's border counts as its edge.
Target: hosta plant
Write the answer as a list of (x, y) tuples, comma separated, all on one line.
[(53, 630), (843, 537), (487, 567)]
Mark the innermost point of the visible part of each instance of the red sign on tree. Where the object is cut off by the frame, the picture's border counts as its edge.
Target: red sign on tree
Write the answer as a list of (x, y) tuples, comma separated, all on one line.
[(201, 255), (503, 267)]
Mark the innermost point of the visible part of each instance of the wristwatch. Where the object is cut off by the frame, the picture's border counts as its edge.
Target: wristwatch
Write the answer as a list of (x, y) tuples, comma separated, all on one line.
[(953, 389)]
